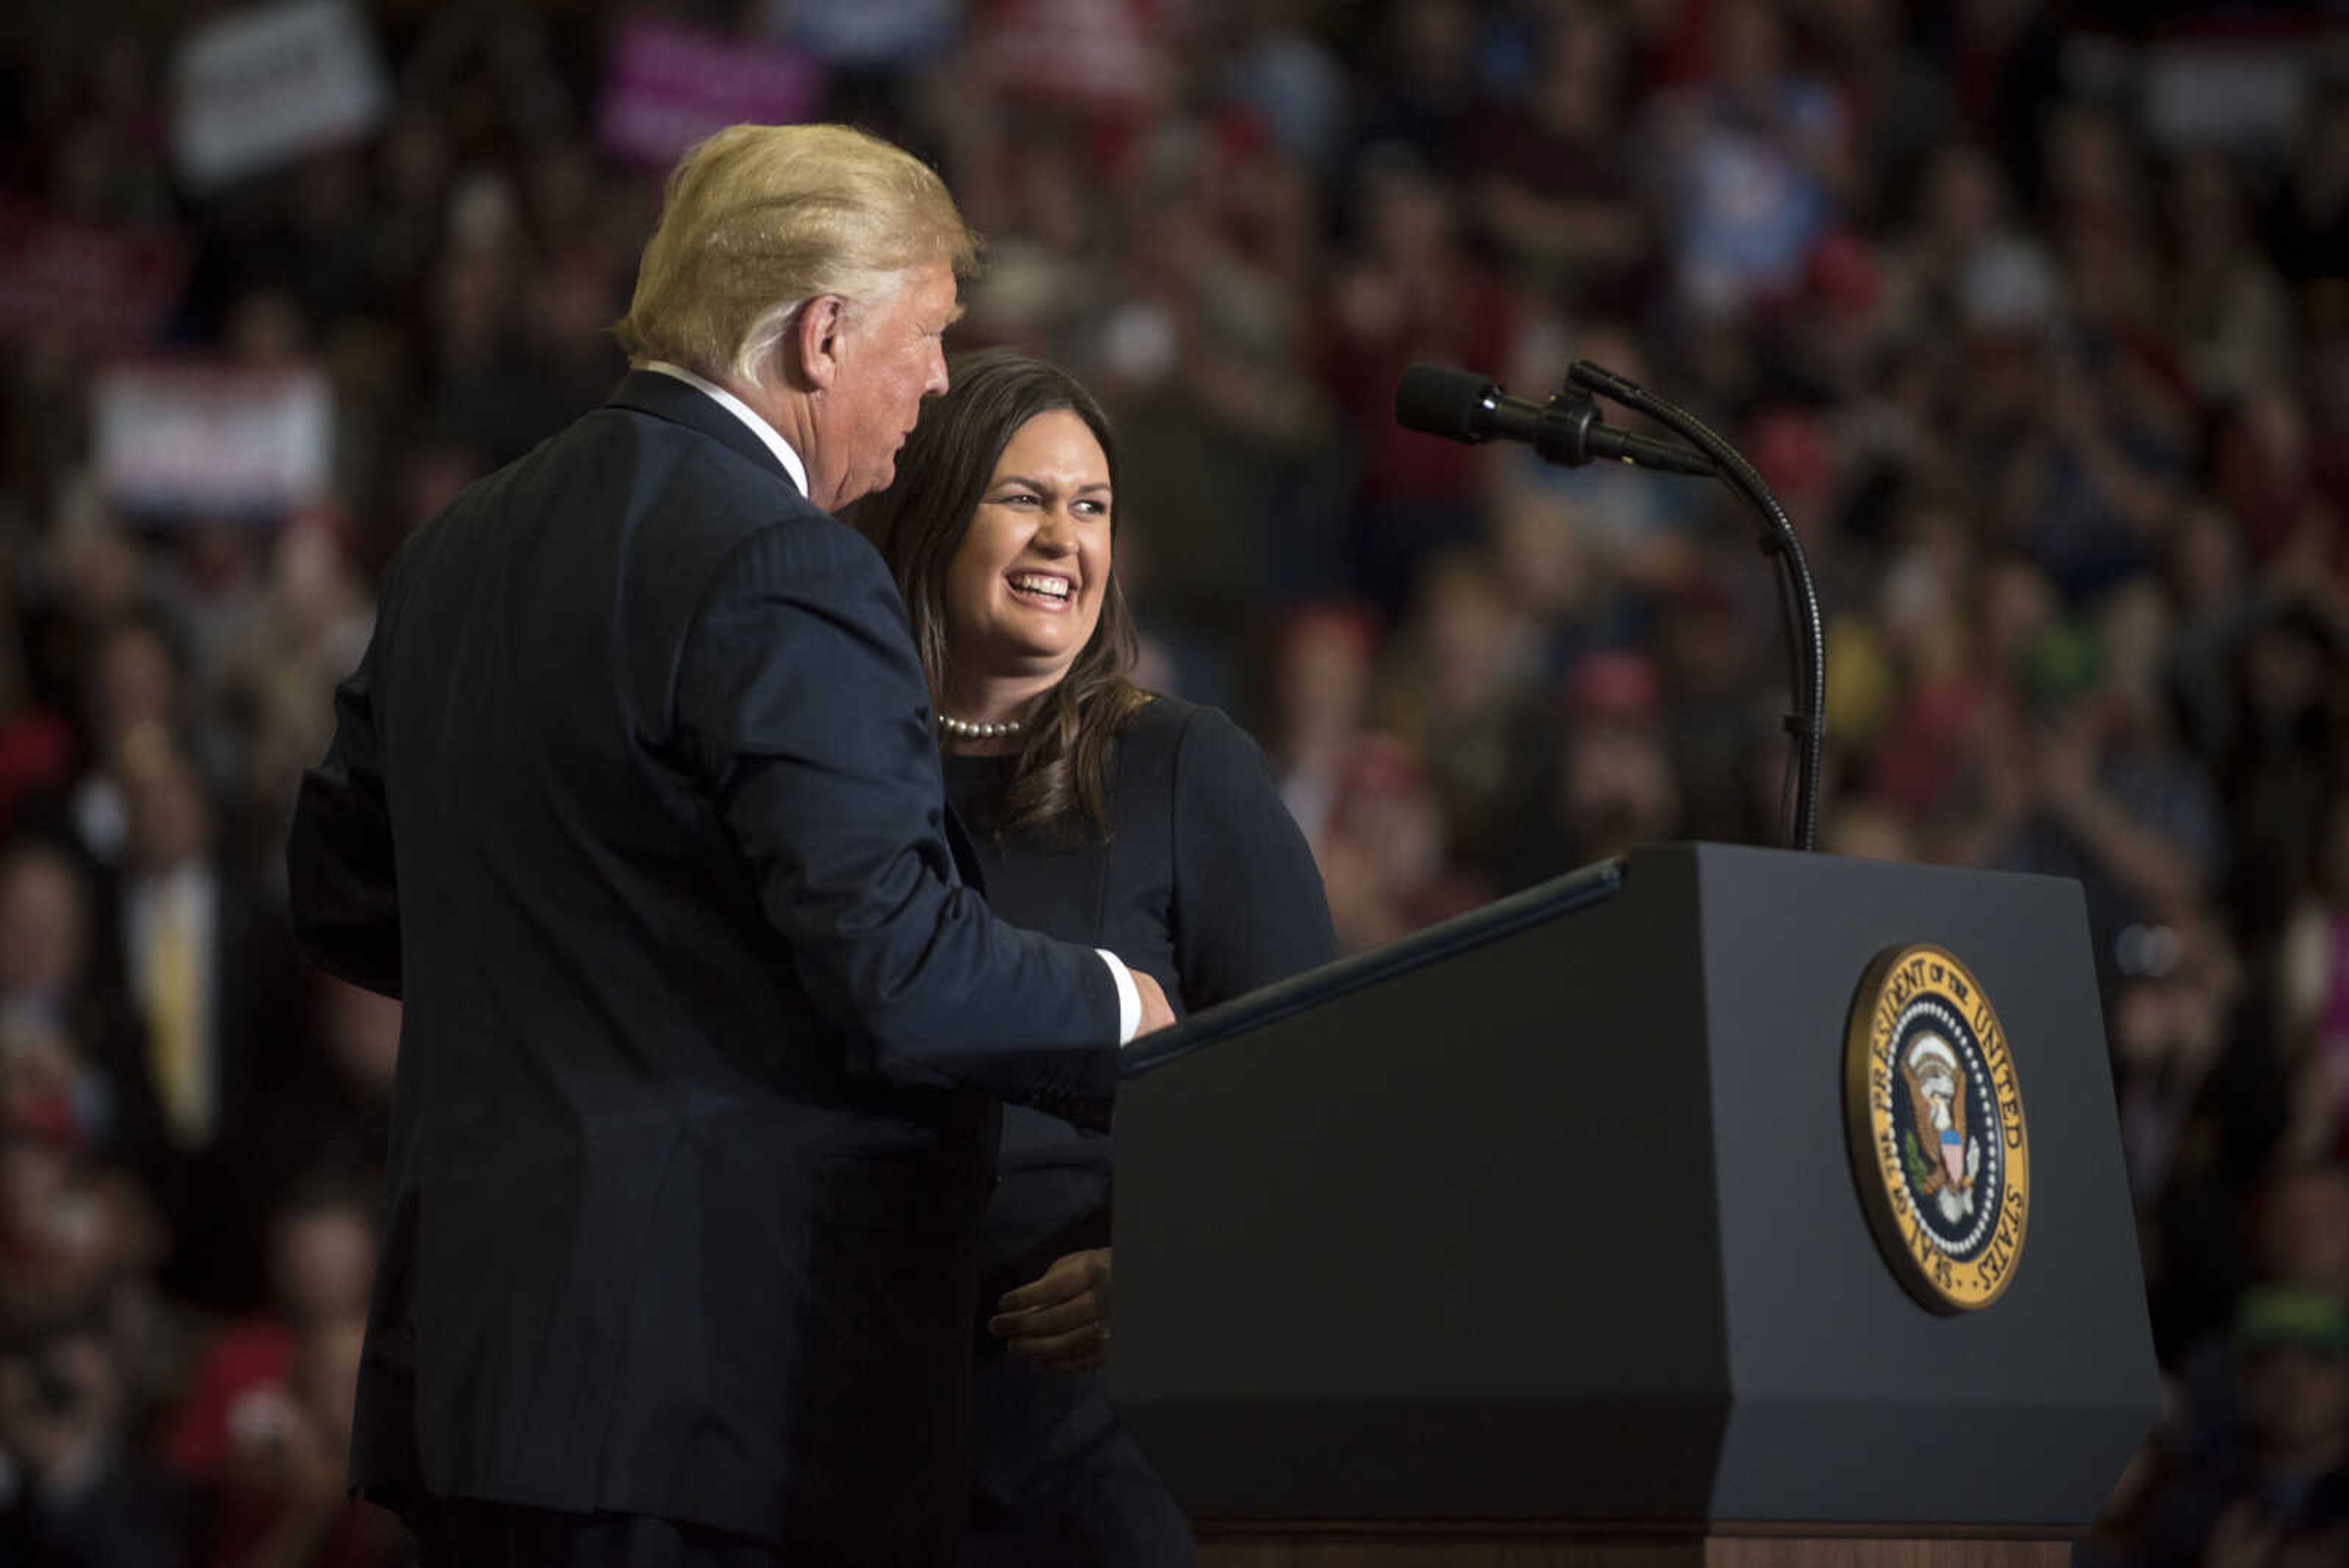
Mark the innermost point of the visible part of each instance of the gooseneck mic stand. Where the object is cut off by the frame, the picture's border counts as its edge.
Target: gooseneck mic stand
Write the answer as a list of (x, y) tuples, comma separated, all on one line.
[(1462, 406), (1806, 638)]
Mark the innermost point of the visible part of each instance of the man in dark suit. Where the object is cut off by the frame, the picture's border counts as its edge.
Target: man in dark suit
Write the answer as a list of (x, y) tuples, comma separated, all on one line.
[(225, 1049), (633, 800)]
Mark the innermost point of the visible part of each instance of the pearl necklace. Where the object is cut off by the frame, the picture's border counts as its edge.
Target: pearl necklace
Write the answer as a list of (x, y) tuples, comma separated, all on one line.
[(966, 729)]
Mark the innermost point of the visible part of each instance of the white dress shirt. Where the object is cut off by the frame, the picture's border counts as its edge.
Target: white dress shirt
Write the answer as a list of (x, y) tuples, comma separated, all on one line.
[(741, 411)]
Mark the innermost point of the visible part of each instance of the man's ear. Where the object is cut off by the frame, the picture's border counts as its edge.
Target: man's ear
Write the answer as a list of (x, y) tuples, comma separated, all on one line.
[(814, 342)]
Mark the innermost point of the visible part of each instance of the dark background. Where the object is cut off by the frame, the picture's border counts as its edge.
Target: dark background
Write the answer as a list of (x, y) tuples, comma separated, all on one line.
[(2035, 317)]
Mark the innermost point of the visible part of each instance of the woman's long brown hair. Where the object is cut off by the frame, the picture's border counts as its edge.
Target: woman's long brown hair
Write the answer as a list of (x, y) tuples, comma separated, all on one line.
[(918, 523)]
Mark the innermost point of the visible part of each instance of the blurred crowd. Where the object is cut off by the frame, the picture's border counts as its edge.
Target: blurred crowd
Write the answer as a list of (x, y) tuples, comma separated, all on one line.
[(2051, 375)]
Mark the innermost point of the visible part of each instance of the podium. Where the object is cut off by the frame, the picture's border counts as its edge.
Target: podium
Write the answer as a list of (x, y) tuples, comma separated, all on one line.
[(1546, 1236)]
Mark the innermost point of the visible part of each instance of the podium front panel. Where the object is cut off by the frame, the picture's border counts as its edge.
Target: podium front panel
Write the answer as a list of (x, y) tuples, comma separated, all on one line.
[(1370, 1255), (1550, 1214), (1845, 1388)]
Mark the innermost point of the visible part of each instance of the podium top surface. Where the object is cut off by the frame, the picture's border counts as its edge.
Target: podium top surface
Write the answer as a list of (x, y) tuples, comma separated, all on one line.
[(1489, 923), (1558, 897)]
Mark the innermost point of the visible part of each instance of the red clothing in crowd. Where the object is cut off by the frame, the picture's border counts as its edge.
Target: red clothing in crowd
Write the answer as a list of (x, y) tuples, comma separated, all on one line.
[(242, 1369)]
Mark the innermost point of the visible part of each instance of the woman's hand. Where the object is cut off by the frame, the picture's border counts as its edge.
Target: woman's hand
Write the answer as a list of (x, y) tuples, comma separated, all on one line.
[(1061, 1321)]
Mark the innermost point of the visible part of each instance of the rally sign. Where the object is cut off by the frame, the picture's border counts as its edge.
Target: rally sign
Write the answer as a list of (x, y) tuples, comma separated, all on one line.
[(259, 89), (666, 86), (92, 286), (213, 440)]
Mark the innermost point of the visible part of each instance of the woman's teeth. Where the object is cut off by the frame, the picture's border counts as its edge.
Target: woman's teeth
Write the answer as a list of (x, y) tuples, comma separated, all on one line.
[(1054, 588)]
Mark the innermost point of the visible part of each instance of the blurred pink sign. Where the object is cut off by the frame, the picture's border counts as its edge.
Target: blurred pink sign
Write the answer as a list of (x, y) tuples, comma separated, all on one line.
[(666, 86), (87, 285)]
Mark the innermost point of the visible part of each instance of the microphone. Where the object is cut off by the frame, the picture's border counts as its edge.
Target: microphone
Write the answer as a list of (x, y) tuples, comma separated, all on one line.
[(1462, 406)]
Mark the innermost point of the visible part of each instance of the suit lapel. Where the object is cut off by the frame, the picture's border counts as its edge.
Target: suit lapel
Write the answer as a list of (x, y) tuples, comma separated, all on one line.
[(666, 397)]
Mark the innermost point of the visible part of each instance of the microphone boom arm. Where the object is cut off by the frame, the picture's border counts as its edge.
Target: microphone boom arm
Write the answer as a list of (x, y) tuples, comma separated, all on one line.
[(1807, 722)]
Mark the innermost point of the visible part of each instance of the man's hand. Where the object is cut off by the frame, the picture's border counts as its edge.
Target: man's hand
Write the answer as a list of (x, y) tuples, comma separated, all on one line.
[(1061, 1322), (1156, 1013)]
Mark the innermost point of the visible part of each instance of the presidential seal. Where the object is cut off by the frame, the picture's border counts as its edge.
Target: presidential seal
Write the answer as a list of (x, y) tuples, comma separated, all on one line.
[(1934, 1114)]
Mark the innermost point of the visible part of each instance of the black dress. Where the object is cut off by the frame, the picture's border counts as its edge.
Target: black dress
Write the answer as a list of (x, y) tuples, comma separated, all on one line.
[(1207, 884)]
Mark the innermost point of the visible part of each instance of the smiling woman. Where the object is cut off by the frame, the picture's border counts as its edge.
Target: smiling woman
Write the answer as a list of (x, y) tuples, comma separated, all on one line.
[(1013, 475), (1024, 588), (1101, 813)]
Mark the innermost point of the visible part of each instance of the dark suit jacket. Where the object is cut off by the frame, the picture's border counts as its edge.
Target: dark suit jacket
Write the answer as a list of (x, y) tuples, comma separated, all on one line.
[(635, 801), (267, 1072)]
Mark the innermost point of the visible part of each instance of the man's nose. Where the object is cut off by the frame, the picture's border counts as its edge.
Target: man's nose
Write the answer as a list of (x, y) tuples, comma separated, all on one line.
[(937, 384)]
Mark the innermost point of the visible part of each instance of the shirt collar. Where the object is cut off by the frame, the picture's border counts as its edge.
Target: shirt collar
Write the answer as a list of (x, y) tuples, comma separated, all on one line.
[(767, 433)]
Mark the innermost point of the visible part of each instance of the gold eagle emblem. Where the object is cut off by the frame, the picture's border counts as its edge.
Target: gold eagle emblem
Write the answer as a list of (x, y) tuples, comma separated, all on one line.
[(1942, 1160), (1933, 1117)]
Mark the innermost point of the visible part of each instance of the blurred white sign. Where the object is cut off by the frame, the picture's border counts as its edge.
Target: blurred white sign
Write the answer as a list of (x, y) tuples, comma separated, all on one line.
[(215, 439), (868, 33), (2227, 92), (258, 88)]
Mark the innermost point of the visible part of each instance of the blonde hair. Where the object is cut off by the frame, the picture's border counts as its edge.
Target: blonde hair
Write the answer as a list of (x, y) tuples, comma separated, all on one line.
[(757, 220)]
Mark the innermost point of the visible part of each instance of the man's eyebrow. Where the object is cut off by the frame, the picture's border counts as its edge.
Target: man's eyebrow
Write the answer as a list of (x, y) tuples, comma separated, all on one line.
[(953, 315)]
